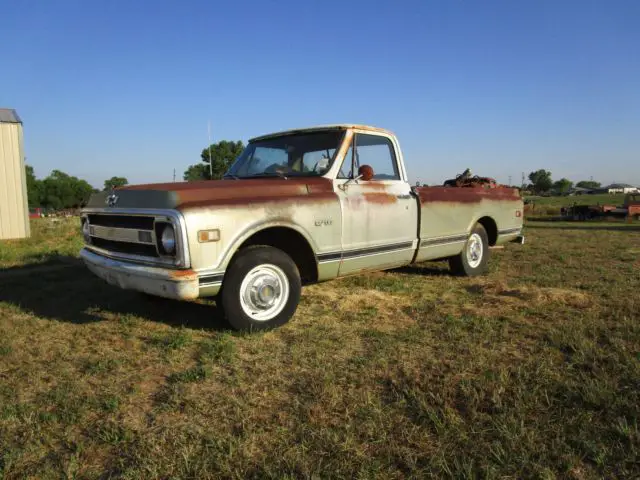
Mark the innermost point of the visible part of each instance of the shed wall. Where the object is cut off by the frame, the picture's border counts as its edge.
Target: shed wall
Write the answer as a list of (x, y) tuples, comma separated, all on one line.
[(14, 210)]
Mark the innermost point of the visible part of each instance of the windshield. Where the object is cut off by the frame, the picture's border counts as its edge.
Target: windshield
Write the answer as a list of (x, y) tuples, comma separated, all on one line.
[(304, 154)]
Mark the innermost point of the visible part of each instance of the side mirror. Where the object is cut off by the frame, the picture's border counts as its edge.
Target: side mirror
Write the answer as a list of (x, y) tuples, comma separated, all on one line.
[(365, 172)]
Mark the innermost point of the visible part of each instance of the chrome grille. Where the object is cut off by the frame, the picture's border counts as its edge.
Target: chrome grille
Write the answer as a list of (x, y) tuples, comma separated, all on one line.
[(122, 221), (134, 236)]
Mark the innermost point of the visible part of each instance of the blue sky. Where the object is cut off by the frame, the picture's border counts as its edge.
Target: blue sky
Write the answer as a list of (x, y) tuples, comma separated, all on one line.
[(503, 87)]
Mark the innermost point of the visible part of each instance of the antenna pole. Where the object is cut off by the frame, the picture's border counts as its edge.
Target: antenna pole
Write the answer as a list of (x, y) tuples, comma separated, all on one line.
[(210, 159)]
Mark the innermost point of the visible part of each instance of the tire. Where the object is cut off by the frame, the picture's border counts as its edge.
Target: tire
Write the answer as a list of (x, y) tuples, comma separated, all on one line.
[(474, 258), (262, 270)]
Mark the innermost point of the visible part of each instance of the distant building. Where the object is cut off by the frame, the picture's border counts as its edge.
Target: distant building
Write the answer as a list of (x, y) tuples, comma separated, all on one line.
[(580, 191), (14, 212), (620, 188)]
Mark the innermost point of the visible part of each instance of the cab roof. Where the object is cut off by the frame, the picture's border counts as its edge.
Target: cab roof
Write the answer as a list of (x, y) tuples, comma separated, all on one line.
[(321, 128)]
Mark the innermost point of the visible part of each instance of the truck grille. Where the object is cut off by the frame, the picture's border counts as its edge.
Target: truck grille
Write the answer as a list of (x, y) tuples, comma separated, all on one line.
[(122, 221), (125, 247), (124, 234), (135, 235)]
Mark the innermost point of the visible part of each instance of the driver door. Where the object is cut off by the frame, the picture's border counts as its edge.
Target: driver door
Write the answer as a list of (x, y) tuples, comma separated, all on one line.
[(380, 215)]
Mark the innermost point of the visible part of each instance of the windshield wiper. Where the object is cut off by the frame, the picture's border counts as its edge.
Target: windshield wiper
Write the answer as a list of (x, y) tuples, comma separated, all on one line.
[(230, 175)]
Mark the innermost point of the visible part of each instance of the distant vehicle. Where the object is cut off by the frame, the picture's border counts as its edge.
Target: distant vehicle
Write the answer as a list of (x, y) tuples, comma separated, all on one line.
[(36, 212), (630, 209), (296, 207)]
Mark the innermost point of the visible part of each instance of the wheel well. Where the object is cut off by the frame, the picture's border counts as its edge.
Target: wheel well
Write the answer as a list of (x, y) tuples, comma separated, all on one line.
[(492, 229), (293, 244)]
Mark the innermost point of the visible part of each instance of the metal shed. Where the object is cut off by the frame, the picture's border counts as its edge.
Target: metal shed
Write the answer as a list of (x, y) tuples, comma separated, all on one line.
[(14, 210)]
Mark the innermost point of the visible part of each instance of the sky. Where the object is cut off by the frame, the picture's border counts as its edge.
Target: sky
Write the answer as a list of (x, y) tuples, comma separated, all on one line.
[(127, 88)]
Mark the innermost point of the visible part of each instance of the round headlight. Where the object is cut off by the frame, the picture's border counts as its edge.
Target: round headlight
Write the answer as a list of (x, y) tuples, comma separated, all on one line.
[(168, 240), (85, 231)]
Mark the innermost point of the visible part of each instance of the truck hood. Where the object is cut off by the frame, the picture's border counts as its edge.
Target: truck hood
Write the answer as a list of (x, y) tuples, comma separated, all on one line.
[(182, 195)]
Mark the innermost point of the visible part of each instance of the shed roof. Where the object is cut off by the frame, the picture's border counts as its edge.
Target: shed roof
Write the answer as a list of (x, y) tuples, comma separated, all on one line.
[(619, 185), (9, 115)]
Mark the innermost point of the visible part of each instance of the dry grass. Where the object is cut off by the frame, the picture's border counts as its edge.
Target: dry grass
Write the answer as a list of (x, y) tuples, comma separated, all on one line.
[(531, 371)]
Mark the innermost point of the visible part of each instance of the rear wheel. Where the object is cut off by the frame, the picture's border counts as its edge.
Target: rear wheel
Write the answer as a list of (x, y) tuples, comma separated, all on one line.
[(474, 258), (261, 289)]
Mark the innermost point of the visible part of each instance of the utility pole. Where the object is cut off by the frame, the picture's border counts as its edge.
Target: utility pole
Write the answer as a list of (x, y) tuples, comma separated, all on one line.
[(210, 159), (509, 180), (174, 174)]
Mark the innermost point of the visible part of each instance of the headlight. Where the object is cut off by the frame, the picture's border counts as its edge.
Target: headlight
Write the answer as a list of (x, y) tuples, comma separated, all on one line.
[(168, 240), (85, 231)]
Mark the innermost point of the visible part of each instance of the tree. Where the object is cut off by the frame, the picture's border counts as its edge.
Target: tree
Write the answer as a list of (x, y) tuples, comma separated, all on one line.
[(115, 182), (541, 180), (34, 187), (196, 172), (563, 185), (60, 190), (588, 184), (223, 154)]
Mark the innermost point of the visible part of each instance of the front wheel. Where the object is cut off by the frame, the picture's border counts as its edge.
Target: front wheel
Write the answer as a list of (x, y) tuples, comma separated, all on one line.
[(261, 289), (474, 258)]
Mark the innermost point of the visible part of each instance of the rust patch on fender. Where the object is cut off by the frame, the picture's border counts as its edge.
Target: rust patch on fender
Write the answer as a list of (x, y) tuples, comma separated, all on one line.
[(183, 274)]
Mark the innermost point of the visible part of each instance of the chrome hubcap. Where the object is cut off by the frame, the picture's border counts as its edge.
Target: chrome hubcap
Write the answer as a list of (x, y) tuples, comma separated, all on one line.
[(474, 250), (264, 292)]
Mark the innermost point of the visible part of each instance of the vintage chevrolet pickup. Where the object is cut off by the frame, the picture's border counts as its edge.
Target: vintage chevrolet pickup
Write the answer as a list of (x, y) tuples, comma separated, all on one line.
[(296, 207)]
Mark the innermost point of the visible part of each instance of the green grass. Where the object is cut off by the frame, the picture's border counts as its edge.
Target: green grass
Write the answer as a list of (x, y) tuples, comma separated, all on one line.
[(532, 371)]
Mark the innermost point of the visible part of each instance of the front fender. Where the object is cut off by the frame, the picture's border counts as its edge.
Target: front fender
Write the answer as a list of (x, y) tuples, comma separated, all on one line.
[(242, 236)]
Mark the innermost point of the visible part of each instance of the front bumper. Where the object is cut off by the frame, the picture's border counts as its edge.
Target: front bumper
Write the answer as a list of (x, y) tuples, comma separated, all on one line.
[(162, 282)]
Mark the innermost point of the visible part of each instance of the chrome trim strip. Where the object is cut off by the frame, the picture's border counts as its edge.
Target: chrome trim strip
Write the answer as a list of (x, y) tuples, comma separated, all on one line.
[(510, 231), (208, 280), (362, 252), (432, 242), (118, 234), (149, 261)]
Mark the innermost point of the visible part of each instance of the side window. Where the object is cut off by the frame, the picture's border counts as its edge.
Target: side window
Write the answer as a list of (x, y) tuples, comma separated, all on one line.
[(377, 151)]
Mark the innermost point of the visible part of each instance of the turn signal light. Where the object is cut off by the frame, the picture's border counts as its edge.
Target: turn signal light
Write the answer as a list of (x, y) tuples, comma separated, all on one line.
[(205, 236)]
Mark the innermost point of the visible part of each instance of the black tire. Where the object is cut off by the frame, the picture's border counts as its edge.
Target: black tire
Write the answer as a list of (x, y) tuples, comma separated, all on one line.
[(462, 264), (244, 263)]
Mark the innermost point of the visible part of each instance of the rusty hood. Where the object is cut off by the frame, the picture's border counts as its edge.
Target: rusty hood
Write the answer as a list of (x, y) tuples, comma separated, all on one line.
[(181, 195)]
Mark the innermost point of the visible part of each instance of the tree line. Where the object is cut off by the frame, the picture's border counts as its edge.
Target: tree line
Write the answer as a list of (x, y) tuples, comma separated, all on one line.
[(60, 190), (542, 182)]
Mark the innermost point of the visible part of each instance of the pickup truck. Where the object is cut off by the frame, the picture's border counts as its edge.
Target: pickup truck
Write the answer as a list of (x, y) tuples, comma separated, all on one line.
[(296, 207)]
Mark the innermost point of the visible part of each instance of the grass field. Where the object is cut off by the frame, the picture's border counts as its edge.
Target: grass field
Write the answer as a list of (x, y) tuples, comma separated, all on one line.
[(550, 206), (530, 372)]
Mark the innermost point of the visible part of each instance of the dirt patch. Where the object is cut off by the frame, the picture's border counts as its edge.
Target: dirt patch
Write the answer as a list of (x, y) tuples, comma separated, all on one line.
[(530, 295)]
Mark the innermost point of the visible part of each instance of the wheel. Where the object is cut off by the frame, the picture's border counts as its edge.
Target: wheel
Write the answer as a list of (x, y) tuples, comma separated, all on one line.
[(474, 257), (261, 289)]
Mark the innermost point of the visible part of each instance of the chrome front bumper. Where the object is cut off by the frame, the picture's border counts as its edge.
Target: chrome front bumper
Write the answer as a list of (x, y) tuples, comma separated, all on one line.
[(162, 282)]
